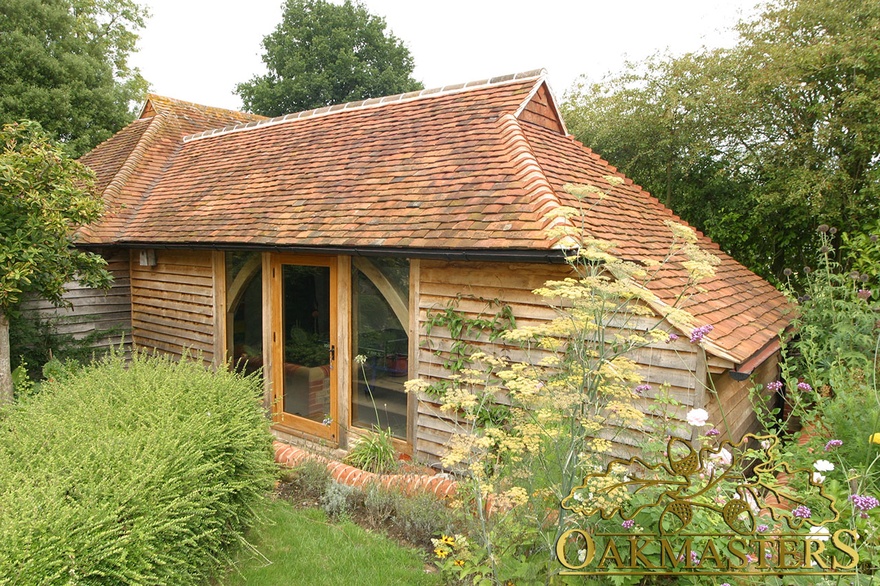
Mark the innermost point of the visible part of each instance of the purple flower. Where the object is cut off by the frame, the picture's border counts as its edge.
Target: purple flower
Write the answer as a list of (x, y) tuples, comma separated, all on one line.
[(672, 338), (835, 443), (713, 432), (628, 524), (642, 388), (774, 386), (698, 333), (864, 294), (804, 387), (802, 512), (864, 503), (761, 528)]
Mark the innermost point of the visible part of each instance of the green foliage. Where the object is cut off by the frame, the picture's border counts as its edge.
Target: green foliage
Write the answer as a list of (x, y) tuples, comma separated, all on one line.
[(338, 500), (323, 53), (45, 196), (145, 472), (465, 331), (64, 63), (831, 389), (835, 327), (22, 383), (757, 144), (861, 251), (36, 342), (309, 479), (418, 516), (374, 452)]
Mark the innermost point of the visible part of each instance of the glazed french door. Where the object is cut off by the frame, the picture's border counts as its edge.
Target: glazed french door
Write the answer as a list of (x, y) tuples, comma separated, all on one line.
[(304, 345)]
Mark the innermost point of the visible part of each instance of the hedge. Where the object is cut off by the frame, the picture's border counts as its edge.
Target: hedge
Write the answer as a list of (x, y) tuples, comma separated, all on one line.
[(140, 472)]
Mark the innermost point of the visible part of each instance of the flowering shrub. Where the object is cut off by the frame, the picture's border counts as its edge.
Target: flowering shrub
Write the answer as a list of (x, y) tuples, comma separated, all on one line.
[(830, 388), (529, 432)]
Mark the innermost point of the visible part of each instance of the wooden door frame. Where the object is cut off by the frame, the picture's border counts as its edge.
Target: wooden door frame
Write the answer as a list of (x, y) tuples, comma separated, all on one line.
[(281, 419)]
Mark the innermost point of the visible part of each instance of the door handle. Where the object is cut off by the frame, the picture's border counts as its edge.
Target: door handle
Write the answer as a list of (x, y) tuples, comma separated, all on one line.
[(332, 352)]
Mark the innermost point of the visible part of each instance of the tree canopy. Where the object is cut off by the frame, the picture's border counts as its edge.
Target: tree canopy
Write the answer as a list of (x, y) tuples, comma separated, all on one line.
[(758, 144), (64, 63), (322, 54), (45, 196)]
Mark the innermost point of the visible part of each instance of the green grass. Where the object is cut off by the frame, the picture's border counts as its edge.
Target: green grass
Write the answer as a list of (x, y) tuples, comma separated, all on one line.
[(299, 546)]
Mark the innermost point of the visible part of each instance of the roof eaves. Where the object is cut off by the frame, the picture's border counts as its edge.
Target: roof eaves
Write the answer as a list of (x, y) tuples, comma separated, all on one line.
[(683, 323), (537, 74)]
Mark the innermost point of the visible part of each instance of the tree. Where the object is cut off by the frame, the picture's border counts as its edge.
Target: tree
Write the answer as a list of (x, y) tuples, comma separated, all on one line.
[(45, 196), (64, 63), (772, 137), (322, 54)]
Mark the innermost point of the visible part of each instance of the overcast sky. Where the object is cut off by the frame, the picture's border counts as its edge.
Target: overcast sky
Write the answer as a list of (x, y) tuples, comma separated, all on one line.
[(197, 50)]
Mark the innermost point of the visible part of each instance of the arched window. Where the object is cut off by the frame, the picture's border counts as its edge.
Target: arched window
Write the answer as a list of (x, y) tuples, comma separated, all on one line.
[(244, 304), (380, 319)]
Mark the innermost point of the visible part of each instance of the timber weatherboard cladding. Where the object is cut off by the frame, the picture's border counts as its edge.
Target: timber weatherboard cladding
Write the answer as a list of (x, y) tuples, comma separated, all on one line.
[(90, 309), (172, 303), (674, 363)]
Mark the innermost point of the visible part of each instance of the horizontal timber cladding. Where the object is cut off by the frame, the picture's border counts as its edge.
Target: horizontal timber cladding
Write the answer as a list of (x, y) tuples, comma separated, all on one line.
[(172, 303), (92, 311), (730, 407), (472, 285)]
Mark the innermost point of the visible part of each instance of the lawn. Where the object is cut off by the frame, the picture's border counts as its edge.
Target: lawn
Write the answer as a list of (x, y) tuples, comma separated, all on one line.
[(300, 546)]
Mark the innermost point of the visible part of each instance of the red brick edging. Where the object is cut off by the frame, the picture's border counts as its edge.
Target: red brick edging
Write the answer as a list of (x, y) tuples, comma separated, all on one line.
[(290, 456)]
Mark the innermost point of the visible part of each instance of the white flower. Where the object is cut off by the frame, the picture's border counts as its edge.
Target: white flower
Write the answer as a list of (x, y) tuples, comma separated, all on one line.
[(582, 555), (697, 417), (819, 533), (818, 478), (823, 466)]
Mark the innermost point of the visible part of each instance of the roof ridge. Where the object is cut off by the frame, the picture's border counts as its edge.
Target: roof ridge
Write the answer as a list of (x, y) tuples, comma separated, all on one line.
[(537, 74), (529, 170), (114, 188), (160, 99)]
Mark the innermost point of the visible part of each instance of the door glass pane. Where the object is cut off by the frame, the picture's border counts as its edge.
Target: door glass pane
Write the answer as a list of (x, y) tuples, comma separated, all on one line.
[(380, 290), (306, 327)]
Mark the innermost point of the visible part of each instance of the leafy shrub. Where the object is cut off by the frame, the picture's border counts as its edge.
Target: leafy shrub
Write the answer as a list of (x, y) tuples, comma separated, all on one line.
[(418, 516), (35, 341), (374, 452), (422, 515), (339, 500), (140, 473), (308, 480)]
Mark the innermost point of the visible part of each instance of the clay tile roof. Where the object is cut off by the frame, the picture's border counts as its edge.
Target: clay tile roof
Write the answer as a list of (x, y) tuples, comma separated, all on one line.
[(132, 159), (478, 166)]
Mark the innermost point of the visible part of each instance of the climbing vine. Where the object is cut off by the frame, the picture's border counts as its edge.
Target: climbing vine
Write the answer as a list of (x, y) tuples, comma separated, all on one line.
[(463, 332)]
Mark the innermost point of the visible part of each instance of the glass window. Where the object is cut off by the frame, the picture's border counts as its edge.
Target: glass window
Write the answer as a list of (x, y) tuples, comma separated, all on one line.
[(244, 303), (380, 317)]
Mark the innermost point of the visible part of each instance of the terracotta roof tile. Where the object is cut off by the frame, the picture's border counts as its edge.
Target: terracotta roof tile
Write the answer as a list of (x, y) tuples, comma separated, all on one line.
[(452, 168), (746, 311)]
